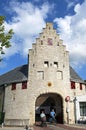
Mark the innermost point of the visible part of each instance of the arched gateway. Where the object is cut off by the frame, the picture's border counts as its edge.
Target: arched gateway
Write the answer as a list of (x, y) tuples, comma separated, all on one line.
[(48, 101)]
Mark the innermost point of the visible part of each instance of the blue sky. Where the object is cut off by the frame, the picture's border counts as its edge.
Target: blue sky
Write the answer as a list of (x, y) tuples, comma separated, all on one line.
[(28, 17)]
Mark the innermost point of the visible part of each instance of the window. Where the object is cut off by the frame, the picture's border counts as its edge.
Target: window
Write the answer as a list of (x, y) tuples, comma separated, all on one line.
[(24, 85), (13, 86), (80, 86), (40, 75), (57, 43), (59, 75), (46, 64), (72, 85), (50, 41), (41, 42), (56, 64), (82, 108)]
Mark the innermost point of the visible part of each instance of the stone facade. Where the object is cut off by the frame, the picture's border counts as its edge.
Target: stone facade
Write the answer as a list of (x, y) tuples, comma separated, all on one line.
[(49, 63), (48, 78)]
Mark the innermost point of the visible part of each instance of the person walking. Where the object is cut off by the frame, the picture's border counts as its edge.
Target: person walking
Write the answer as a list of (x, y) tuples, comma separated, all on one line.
[(43, 118), (52, 116)]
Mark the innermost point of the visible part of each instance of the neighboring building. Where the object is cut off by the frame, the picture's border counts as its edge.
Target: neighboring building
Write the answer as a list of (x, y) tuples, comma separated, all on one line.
[(46, 82)]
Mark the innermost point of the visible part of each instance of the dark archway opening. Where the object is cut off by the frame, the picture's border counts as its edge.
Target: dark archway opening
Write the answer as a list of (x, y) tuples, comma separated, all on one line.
[(47, 102)]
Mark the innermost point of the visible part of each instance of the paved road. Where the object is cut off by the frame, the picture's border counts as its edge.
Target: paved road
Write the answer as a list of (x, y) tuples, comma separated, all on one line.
[(49, 127), (14, 128), (61, 127), (64, 127)]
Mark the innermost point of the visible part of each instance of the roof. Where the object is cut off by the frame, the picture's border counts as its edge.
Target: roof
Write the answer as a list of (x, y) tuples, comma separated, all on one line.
[(74, 76), (20, 74)]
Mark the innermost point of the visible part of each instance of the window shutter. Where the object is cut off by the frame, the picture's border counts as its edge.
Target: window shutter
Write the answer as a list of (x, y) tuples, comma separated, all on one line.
[(24, 85), (13, 86), (72, 85), (80, 86)]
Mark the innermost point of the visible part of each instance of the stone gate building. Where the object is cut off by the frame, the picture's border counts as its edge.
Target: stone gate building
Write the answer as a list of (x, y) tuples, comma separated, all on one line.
[(47, 81)]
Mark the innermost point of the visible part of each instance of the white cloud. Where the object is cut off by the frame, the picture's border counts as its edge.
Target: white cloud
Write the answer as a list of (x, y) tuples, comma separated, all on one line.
[(70, 3), (77, 8), (73, 32), (27, 22)]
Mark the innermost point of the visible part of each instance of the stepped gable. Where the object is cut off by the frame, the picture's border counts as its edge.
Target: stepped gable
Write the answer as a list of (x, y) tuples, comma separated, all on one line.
[(47, 38), (20, 73)]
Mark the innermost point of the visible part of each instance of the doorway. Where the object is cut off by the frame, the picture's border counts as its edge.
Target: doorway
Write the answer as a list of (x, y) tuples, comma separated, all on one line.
[(47, 102)]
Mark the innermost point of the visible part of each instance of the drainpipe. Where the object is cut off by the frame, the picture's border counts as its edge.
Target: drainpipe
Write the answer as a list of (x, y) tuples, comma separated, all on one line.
[(3, 99), (75, 109)]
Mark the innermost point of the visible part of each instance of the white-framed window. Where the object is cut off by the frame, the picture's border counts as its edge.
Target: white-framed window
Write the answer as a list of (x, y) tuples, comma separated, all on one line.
[(82, 108)]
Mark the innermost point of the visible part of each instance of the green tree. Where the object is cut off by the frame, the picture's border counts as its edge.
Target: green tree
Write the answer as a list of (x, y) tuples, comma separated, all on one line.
[(4, 37)]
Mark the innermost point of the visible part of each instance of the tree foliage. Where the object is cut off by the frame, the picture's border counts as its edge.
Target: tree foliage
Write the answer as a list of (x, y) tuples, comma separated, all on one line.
[(4, 37)]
